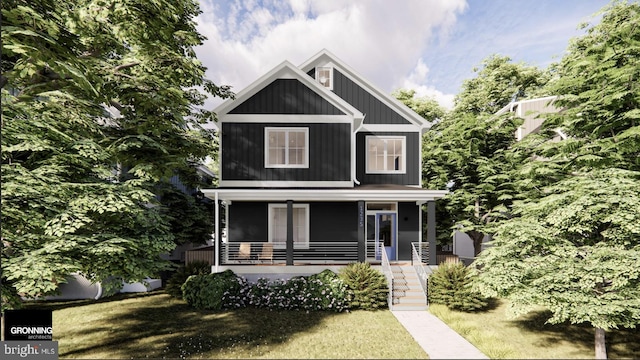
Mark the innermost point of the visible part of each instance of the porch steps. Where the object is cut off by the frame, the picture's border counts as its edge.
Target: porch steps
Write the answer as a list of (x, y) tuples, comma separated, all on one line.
[(407, 292)]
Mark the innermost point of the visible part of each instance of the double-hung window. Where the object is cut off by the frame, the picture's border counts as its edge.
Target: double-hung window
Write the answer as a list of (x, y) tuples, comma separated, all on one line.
[(286, 147), (386, 154), (278, 225)]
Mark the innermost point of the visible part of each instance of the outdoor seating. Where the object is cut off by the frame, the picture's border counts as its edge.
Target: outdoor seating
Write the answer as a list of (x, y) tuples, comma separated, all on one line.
[(267, 253), (244, 252)]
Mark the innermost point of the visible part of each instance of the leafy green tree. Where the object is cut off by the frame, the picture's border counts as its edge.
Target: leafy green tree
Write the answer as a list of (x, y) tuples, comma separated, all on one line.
[(574, 243), (100, 104), (467, 151), (426, 107)]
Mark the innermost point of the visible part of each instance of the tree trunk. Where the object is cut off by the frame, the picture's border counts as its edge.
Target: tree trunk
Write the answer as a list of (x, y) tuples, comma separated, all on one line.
[(601, 349), (476, 237)]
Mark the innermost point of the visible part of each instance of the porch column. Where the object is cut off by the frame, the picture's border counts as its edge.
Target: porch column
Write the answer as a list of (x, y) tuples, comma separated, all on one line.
[(362, 255), (216, 243), (289, 232), (431, 231)]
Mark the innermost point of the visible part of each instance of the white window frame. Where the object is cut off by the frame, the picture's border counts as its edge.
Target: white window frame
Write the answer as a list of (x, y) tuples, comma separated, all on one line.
[(325, 68), (283, 244), (286, 130), (403, 163)]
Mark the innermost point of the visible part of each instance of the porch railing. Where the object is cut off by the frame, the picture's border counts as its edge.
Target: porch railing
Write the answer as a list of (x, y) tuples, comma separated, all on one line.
[(316, 252), (420, 255), (386, 269)]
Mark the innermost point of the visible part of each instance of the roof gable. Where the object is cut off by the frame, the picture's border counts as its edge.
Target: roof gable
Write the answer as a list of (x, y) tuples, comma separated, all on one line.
[(286, 70), (326, 58)]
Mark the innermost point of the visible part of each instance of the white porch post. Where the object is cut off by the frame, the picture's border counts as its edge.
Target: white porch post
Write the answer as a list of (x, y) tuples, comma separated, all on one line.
[(420, 203), (216, 245)]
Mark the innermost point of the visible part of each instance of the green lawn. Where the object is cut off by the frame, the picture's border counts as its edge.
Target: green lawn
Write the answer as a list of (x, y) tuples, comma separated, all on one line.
[(156, 325), (529, 337)]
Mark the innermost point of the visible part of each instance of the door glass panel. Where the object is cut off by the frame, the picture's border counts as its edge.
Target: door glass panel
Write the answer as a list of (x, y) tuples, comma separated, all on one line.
[(385, 229)]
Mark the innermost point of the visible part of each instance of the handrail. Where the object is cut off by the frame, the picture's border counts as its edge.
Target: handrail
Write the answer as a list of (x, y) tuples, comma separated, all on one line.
[(386, 269), (422, 268)]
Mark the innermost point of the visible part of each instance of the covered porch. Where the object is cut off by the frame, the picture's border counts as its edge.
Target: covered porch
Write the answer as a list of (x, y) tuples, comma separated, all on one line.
[(342, 225)]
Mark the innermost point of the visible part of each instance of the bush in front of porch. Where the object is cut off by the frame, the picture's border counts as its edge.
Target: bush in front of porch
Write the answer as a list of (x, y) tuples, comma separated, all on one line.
[(369, 286)]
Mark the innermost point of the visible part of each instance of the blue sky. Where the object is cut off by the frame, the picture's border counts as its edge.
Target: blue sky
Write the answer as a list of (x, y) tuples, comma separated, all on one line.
[(430, 46)]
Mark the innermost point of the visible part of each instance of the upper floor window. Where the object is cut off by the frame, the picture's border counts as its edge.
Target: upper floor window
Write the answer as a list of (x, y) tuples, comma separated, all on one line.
[(386, 154), (324, 75), (286, 147)]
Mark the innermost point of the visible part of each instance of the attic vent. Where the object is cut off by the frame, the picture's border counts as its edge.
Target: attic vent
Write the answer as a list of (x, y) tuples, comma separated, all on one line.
[(324, 75)]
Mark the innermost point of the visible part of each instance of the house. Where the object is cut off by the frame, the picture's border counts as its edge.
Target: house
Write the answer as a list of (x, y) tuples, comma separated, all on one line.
[(318, 166)]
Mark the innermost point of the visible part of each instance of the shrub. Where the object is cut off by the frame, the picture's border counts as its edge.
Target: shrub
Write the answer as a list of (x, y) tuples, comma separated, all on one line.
[(450, 285), (324, 291), (214, 291), (174, 284), (369, 286)]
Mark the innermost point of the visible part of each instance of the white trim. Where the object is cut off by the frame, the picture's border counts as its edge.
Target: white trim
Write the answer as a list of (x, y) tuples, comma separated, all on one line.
[(285, 183), (286, 118), (325, 57), (389, 128), (270, 224), (323, 195), (330, 69), (286, 164), (403, 163), (286, 70)]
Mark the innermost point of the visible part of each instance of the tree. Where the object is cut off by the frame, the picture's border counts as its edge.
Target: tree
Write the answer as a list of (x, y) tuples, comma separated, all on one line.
[(574, 243), (467, 151), (100, 104), (426, 107)]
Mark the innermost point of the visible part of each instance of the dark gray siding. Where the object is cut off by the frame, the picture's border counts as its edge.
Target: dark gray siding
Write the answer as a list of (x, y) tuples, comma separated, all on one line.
[(412, 174), (376, 112), (248, 221), (408, 227), (333, 222), (243, 153), (286, 96)]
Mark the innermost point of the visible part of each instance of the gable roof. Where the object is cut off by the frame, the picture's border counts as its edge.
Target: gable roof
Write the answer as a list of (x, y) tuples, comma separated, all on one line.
[(326, 57), (286, 70)]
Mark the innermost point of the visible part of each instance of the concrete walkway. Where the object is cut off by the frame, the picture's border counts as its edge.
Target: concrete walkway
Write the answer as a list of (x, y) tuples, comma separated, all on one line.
[(436, 338)]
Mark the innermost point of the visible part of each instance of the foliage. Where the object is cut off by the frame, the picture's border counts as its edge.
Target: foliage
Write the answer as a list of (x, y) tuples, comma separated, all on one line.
[(324, 291), (572, 246), (175, 282), (450, 285), (190, 216), (369, 286), (93, 117), (575, 252), (208, 291), (426, 107), (466, 152)]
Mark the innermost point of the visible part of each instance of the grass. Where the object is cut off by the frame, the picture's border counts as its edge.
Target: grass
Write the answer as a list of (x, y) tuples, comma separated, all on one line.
[(528, 337), (158, 326)]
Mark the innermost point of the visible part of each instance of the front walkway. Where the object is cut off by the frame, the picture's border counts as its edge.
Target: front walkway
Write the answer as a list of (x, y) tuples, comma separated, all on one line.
[(436, 338)]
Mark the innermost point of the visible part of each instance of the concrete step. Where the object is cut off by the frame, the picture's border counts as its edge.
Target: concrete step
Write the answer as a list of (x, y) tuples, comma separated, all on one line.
[(419, 300), (410, 307)]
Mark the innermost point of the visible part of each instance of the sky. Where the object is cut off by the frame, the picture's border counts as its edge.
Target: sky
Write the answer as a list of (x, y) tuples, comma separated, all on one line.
[(430, 46)]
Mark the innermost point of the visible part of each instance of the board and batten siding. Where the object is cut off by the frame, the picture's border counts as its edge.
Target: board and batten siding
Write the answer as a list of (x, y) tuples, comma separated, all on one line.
[(412, 171), (376, 111), (243, 153), (286, 96), (328, 222)]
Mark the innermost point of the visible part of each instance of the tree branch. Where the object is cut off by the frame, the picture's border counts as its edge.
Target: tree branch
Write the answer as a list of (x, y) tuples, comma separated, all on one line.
[(125, 66)]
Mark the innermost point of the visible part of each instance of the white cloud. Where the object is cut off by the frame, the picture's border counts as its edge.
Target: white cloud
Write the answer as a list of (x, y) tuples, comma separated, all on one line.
[(380, 39), (417, 80)]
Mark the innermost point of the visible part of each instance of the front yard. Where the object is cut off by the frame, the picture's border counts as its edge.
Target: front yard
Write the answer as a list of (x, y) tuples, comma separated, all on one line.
[(158, 326)]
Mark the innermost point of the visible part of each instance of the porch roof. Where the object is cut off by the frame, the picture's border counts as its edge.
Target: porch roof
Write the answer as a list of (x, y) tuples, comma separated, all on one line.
[(359, 193)]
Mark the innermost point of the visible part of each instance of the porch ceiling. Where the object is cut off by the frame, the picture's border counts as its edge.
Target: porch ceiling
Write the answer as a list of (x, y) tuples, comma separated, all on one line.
[(360, 193)]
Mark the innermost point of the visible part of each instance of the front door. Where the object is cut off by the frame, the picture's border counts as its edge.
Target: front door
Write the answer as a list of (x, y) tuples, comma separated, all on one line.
[(382, 231)]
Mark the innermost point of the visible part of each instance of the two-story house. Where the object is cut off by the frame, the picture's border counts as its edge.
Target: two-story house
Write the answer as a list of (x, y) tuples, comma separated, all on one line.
[(318, 166)]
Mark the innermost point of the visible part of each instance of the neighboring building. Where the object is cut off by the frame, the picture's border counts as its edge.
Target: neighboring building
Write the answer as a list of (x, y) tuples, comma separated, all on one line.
[(531, 111), (318, 166)]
